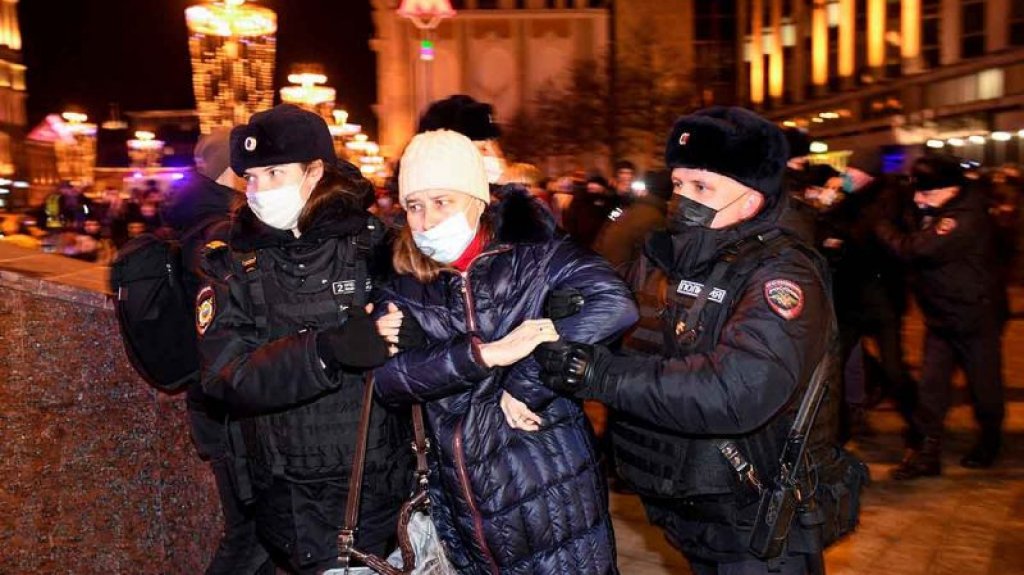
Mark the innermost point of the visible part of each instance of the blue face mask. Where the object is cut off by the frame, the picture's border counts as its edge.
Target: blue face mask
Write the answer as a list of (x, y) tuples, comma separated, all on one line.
[(445, 242)]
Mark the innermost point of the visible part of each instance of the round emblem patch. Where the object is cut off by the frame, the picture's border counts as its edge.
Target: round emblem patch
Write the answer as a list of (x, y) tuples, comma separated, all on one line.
[(684, 138), (945, 226), (206, 308), (250, 144), (785, 298)]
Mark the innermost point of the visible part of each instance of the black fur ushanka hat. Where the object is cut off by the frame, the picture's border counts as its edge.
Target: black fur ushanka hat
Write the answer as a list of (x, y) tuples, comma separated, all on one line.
[(733, 142)]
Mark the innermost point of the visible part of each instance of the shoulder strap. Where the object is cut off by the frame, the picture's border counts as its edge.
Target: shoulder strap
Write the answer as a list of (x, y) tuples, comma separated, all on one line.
[(249, 261), (346, 538)]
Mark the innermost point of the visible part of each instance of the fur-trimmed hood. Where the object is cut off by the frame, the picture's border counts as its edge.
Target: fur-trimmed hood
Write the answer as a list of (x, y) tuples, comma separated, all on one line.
[(519, 218)]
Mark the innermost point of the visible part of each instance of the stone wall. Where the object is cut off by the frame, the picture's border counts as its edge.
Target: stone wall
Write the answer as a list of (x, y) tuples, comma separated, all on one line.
[(97, 470)]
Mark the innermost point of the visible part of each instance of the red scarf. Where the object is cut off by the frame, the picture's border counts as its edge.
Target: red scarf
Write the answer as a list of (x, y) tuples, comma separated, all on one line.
[(475, 248)]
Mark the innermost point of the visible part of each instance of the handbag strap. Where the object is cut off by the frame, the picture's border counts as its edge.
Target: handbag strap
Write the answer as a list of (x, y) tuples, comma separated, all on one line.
[(346, 538), (421, 446)]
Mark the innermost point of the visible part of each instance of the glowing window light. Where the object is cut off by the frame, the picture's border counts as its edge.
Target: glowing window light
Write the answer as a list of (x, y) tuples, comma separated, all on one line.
[(935, 144), (1001, 136), (818, 147), (74, 117), (977, 140), (955, 142), (789, 124)]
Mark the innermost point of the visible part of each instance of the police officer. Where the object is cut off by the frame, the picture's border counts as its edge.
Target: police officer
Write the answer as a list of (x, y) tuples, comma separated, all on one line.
[(952, 254), (199, 213), (285, 340), (475, 120), (747, 322)]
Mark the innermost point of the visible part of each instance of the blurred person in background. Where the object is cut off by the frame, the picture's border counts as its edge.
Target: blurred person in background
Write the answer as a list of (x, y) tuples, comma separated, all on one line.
[(951, 255)]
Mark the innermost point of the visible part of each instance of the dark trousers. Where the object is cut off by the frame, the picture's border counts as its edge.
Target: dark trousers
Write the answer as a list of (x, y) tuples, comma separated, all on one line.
[(239, 551), (896, 381), (796, 564), (980, 356)]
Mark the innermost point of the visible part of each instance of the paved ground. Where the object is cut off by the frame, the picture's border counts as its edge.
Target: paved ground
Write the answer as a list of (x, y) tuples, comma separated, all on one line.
[(965, 522)]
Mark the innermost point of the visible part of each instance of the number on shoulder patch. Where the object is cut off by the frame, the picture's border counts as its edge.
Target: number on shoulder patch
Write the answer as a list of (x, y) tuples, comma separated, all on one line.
[(785, 298), (206, 308)]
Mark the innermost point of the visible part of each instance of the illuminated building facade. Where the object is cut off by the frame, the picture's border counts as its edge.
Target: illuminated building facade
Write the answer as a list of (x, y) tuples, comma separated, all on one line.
[(13, 118), (498, 51), (232, 46), (898, 76)]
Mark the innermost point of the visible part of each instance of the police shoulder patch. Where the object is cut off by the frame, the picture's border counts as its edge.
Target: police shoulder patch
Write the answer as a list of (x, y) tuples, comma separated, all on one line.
[(945, 226), (785, 298), (206, 308)]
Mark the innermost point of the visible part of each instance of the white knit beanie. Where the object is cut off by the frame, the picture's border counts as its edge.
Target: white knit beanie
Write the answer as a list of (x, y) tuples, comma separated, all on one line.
[(442, 160)]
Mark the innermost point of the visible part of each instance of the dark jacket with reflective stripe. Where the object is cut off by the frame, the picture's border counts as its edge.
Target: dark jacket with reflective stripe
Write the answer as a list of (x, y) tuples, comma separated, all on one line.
[(509, 501), (300, 421), (740, 379)]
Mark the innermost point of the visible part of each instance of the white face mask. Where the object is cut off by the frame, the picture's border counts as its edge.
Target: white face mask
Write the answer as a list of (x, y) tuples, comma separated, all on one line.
[(495, 167), (280, 207), (445, 242)]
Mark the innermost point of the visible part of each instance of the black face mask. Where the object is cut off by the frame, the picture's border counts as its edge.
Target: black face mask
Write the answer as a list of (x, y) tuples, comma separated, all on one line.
[(690, 213)]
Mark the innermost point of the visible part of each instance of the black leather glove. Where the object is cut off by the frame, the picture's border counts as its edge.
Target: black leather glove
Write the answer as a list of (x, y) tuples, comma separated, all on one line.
[(562, 303), (570, 368), (354, 345), (411, 334)]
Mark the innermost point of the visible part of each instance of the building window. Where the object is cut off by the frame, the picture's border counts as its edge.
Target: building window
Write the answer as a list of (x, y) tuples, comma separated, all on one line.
[(930, 51), (1017, 24), (972, 18)]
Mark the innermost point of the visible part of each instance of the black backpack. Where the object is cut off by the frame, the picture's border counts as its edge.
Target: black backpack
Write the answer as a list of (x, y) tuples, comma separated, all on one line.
[(155, 312)]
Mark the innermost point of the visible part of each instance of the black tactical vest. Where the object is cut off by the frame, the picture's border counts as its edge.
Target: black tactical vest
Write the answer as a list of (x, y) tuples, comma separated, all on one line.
[(296, 289), (663, 465)]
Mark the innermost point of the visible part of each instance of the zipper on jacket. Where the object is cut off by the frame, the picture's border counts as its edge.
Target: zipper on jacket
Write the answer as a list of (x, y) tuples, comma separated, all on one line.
[(457, 446)]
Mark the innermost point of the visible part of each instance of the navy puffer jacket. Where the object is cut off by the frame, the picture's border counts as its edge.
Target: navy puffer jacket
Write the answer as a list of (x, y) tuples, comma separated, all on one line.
[(509, 501)]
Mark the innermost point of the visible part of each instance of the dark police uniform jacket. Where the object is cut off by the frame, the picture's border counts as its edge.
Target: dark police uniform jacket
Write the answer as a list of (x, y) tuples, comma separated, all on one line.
[(736, 374), (953, 258), (268, 296)]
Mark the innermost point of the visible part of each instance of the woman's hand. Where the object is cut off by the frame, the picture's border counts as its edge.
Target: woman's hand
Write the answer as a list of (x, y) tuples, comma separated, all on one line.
[(518, 415), (389, 325), (402, 332), (519, 343)]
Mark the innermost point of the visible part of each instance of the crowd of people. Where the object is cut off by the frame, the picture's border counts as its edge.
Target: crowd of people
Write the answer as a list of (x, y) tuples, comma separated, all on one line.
[(719, 311)]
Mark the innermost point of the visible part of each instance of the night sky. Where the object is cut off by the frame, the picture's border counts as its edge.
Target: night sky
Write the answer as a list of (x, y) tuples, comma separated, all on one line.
[(88, 53)]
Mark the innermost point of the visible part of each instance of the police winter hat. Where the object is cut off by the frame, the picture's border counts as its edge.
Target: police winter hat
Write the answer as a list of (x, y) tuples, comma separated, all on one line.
[(284, 134), (462, 114), (938, 171), (443, 160), (733, 142)]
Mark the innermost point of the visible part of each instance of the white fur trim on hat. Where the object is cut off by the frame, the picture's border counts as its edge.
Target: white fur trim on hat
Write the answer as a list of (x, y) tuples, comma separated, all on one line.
[(442, 160)]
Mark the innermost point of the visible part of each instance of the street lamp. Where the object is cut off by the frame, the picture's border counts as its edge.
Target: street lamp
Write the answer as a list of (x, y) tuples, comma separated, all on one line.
[(426, 15)]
